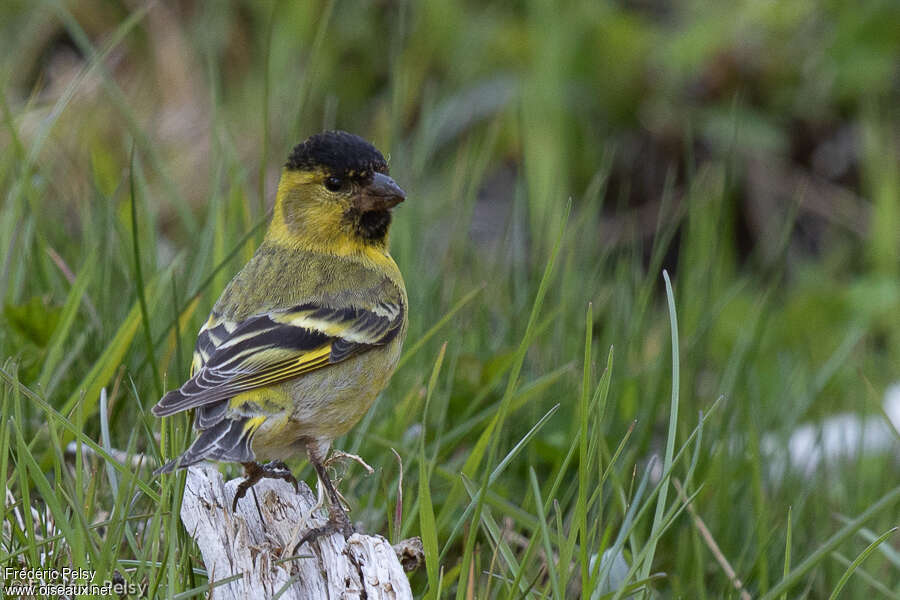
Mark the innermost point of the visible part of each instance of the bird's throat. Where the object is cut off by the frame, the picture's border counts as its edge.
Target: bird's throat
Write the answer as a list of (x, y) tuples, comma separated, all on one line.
[(372, 226)]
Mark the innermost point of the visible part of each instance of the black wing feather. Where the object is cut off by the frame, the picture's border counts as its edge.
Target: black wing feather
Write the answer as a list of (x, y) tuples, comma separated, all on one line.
[(227, 370)]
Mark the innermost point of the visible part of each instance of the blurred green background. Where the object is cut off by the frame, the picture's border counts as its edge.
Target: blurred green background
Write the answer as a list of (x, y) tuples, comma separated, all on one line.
[(750, 148)]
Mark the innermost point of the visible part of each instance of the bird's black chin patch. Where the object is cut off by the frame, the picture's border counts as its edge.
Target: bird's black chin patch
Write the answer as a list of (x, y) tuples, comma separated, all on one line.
[(373, 225)]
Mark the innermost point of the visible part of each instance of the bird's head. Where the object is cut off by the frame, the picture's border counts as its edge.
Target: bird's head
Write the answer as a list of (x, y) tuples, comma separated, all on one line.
[(335, 195)]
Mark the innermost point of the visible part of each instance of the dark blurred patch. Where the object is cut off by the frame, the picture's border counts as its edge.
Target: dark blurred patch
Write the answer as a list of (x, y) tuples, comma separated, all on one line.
[(57, 57)]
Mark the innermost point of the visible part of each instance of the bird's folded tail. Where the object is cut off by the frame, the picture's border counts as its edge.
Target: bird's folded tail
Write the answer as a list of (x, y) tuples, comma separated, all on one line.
[(196, 392), (227, 441)]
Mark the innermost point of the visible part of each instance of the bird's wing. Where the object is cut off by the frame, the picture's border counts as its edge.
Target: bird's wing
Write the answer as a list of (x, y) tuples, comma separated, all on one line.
[(276, 346)]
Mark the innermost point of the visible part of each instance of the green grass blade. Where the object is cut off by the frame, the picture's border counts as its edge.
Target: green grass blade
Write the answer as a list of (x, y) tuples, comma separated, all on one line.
[(887, 500), (411, 351), (106, 365), (76, 433), (508, 394), (61, 517), (57, 343), (858, 561), (495, 475), (584, 469), (139, 280), (872, 581), (673, 429), (787, 551), (545, 535), (426, 509)]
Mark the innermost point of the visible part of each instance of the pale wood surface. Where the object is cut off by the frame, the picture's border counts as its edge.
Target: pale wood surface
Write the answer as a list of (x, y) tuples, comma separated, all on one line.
[(243, 543)]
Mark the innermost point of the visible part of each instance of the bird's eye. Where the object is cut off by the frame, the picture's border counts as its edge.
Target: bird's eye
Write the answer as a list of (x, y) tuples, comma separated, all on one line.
[(333, 184)]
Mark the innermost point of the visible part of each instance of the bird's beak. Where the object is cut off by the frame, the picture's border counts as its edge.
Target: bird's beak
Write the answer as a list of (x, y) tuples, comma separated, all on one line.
[(381, 194)]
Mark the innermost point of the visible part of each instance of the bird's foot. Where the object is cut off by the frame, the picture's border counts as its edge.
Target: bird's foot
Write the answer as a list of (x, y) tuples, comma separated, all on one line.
[(254, 472), (278, 470), (338, 522)]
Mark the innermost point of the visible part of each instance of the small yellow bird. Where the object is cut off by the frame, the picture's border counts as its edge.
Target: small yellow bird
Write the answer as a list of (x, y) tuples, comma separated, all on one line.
[(307, 334)]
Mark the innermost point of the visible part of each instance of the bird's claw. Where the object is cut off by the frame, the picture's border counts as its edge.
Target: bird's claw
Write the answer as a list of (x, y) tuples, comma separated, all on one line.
[(336, 524), (254, 472), (278, 470)]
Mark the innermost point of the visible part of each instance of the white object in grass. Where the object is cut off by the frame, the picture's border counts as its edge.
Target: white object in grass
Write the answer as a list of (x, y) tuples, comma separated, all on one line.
[(840, 437)]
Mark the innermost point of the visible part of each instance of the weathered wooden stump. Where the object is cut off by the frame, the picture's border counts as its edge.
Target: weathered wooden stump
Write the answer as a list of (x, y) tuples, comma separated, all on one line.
[(254, 541)]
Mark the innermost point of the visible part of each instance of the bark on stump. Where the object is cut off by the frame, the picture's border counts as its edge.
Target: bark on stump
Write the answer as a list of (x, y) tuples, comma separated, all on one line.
[(242, 543)]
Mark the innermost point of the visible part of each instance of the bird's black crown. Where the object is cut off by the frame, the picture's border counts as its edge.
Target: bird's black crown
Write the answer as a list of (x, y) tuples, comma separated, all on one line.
[(338, 152)]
